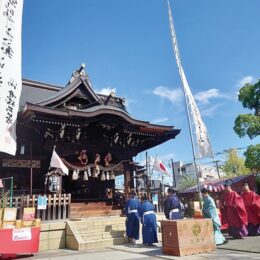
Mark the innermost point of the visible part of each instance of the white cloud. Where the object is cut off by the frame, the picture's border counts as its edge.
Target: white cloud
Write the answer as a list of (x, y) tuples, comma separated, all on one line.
[(129, 102), (244, 80), (210, 111), (173, 95), (205, 96), (159, 120), (106, 91)]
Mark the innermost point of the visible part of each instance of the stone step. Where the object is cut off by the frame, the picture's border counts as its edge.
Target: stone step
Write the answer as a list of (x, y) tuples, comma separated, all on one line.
[(95, 233), (94, 223), (102, 235), (106, 228), (102, 243)]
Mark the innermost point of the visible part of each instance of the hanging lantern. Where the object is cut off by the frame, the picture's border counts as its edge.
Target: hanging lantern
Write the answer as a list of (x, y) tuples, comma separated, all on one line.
[(112, 175), (1, 183), (85, 176), (108, 159), (75, 175), (103, 176), (89, 171), (96, 171)]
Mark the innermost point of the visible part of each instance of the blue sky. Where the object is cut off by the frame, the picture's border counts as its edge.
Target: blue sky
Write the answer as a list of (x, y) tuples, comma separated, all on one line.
[(126, 45)]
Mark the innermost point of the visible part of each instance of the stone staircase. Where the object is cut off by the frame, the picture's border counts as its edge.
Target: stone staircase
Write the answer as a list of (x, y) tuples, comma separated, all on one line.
[(98, 232)]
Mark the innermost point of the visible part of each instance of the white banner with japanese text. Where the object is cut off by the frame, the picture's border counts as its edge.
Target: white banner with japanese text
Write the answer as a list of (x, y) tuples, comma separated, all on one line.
[(204, 148), (10, 71)]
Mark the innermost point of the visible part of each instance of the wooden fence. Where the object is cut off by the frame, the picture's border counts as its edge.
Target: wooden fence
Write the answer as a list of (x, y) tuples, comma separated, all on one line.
[(58, 206)]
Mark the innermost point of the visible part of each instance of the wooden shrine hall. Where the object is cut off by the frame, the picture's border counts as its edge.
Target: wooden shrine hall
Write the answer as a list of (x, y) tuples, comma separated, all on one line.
[(93, 134)]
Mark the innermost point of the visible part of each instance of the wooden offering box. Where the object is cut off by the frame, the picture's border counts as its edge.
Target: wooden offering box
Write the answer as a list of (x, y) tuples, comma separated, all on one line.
[(187, 237)]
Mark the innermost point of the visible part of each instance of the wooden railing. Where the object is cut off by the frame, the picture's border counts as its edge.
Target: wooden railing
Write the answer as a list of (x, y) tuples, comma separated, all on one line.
[(58, 206)]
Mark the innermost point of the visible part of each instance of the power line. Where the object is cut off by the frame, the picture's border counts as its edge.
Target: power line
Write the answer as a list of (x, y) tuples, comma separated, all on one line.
[(230, 149)]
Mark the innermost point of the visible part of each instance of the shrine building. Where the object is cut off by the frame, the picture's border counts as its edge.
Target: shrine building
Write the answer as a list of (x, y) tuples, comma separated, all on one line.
[(93, 134)]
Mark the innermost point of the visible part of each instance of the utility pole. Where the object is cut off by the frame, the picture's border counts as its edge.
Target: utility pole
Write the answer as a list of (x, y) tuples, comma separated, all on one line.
[(146, 162), (147, 175), (162, 184), (173, 174), (217, 166)]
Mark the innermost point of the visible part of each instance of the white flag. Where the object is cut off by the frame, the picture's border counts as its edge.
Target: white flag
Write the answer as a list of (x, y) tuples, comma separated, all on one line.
[(204, 147), (56, 162), (10, 71), (160, 167)]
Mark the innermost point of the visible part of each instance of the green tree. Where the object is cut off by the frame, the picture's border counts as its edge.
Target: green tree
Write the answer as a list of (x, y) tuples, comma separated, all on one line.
[(234, 165), (253, 158), (249, 124), (186, 182), (249, 95)]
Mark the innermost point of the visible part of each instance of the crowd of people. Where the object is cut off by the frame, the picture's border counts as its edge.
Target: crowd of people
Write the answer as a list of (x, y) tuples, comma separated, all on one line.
[(143, 212), (240, 212)]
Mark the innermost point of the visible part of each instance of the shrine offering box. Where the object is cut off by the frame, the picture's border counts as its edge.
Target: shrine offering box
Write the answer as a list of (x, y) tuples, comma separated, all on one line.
[(187, 237)]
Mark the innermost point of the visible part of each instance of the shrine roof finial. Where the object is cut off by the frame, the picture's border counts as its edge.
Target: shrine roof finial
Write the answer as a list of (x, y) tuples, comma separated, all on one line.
[(79, 72)]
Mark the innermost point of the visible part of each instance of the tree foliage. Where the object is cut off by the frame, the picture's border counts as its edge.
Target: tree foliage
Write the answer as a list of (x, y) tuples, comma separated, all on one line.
[(249, 124), (249, 96), (186, 182), (234, 165), (253, 158)]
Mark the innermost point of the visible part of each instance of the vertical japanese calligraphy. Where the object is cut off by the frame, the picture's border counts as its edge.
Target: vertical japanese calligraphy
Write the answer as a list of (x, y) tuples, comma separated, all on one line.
[(203, 143), (10, 71)]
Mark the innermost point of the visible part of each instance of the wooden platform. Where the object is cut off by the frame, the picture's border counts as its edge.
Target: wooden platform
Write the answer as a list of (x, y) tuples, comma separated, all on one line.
[(89, 209)]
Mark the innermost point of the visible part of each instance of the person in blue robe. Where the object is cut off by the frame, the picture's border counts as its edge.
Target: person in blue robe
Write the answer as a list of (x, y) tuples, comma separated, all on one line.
[(209, 210), (132, 218), (172, 205), (149, 222)]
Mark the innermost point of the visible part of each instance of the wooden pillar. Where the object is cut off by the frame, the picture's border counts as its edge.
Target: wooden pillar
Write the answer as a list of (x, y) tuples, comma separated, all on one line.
[(127, 177)]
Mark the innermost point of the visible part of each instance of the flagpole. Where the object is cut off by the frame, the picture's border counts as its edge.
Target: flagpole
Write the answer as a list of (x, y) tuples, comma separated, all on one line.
[(173, 174), (175, 45), (192, 144)]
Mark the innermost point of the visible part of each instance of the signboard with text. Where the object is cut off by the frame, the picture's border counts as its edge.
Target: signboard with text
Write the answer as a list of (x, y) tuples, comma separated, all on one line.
[(22, 234)]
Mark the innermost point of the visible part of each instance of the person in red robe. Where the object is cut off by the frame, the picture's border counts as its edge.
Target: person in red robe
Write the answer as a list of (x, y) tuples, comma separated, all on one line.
[(252, 203), (234, 213)]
